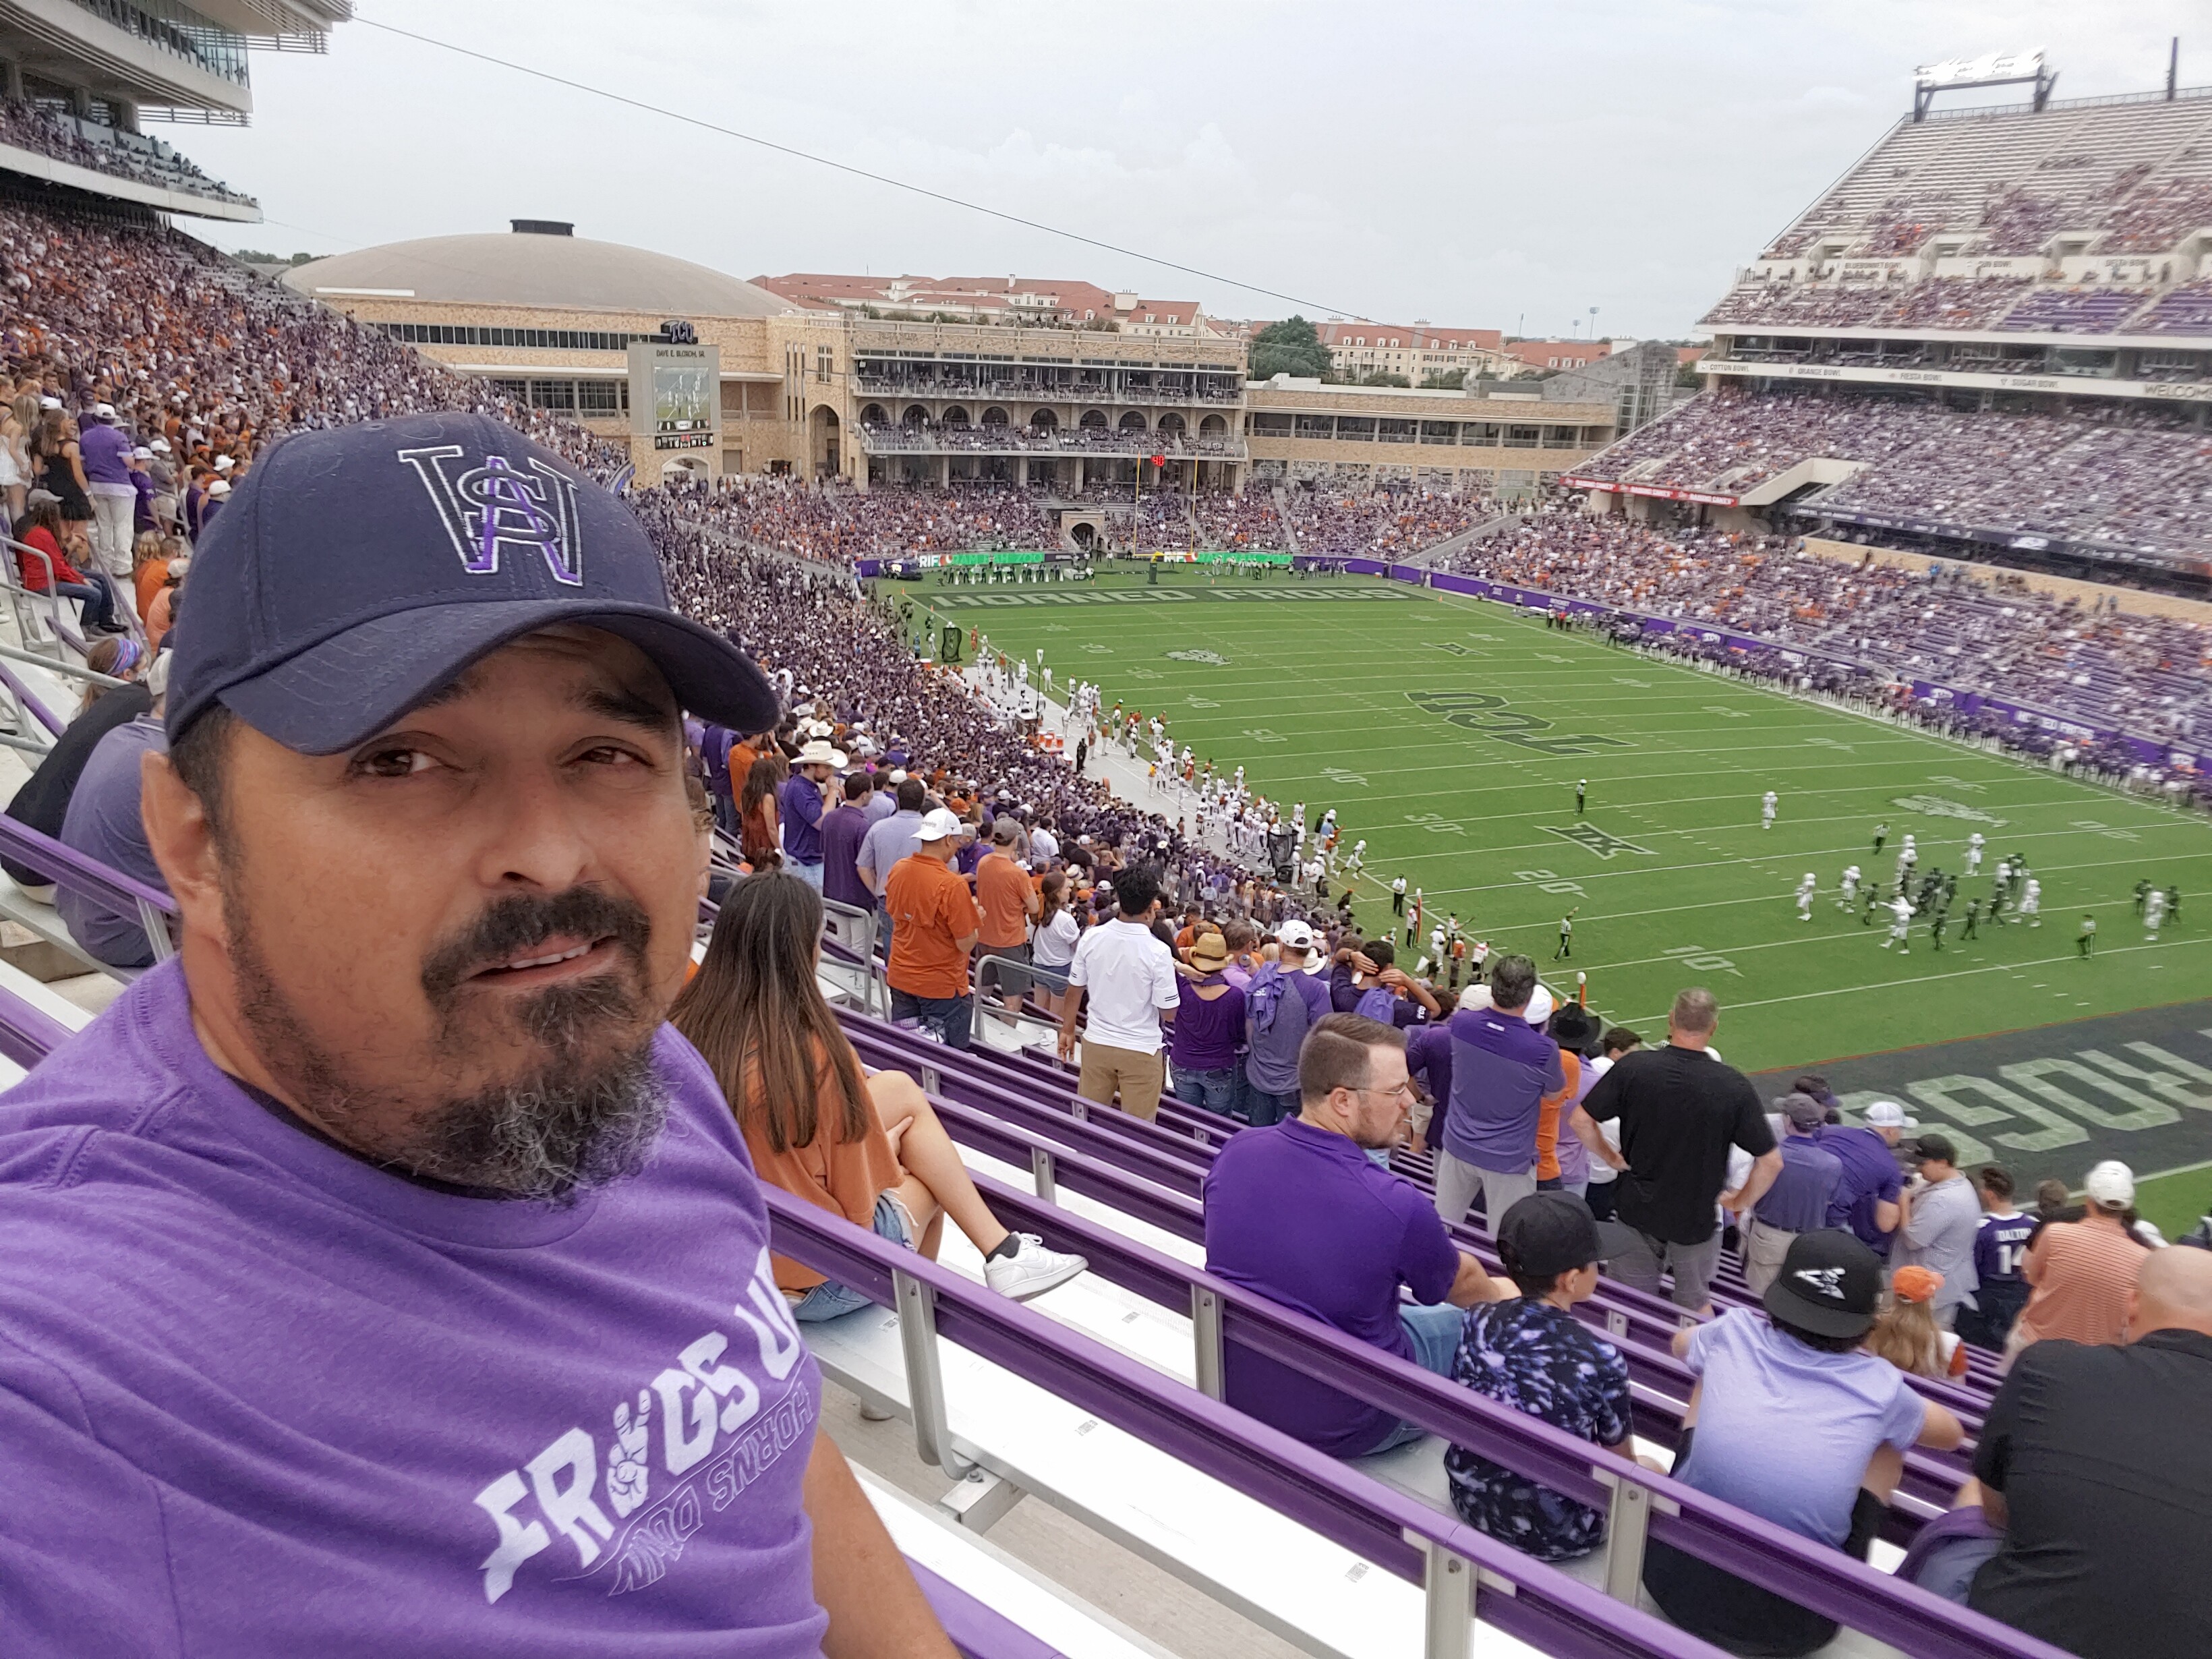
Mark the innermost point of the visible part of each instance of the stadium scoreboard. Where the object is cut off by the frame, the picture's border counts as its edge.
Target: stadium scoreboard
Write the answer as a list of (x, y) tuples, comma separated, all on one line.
[(675, 399)]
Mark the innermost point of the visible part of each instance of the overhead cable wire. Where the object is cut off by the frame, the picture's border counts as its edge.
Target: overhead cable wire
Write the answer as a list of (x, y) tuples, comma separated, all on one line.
[(908, 185)]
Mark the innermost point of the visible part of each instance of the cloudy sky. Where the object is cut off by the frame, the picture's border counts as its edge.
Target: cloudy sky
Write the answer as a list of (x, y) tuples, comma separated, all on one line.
[(1472, 162)]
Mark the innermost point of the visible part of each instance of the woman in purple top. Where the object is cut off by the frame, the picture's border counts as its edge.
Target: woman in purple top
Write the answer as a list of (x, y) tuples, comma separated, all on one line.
[(1207, 1024)]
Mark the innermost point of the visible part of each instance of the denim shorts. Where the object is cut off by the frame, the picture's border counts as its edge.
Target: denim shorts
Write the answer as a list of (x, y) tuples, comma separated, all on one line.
[(830, 1299)]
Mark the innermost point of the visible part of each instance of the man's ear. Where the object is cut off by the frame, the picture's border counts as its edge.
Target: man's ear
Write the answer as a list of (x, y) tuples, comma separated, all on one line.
[(182, 841)]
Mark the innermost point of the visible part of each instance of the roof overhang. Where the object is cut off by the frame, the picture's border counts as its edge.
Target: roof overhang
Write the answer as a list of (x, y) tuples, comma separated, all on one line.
[(63, 41)]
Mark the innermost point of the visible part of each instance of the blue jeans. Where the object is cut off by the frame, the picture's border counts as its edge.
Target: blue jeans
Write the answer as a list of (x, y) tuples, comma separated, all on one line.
[(830, 1299), (1265, 1106), (1435, 1333), (1214, 1091), (949, 1019), (95, 604), (809, 873)]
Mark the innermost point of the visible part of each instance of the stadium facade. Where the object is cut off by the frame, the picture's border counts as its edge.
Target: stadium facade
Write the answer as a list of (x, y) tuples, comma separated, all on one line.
[(78, 80), (1021, 386), (1965, 344)]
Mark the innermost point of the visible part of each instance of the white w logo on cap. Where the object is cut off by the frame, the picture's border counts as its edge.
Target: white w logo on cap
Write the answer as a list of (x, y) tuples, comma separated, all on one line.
[(485, 507), (1822, 1281)]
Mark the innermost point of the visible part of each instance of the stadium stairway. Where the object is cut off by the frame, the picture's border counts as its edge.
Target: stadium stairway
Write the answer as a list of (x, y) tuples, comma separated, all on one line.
[(1120, 1439)]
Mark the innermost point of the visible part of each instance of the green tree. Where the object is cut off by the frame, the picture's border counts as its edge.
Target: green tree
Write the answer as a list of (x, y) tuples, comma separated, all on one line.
[(1383, 377), (1291, 347), (1452, 379)]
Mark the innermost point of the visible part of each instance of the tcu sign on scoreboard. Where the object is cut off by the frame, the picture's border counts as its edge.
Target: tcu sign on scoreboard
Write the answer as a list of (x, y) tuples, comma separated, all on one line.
[(676, 404)]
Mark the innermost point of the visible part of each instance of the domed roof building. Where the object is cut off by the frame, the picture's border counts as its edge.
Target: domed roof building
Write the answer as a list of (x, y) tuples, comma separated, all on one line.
[(540, 264), (549, 318)]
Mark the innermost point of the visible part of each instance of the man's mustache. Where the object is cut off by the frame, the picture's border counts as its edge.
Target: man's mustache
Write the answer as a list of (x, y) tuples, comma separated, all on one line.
[(510, 927)]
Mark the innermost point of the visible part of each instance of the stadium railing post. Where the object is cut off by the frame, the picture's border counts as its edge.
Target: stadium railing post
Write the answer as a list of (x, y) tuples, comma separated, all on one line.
[(1449, 1583), (1205, 1341), (1040, 1171), (925, 1378), (157, 924), (1627, 1528)]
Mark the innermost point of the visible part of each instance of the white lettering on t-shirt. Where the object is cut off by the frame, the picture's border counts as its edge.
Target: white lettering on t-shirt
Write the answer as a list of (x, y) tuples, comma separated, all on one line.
[(570, 1507), (702, 1401)]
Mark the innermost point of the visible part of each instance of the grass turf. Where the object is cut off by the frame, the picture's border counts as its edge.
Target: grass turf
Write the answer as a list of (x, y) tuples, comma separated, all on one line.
[(1449, 733)]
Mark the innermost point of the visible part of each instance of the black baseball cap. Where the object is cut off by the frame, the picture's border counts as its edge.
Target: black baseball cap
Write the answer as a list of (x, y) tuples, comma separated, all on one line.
[(1938, 1147), (356, 571), (1829, 1285), (1547, 1233)]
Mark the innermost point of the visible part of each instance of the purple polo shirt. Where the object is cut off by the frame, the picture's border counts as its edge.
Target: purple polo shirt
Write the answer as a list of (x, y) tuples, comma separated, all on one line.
[(1871, 1174), (1305, 1218), (1502, 1068), (1798, 1201), (800, 799), (261, 1398), (1429, 1057)]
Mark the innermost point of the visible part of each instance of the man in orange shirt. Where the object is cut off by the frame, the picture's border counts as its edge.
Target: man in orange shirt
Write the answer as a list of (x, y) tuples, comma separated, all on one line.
[(1008, 902), (2080, 1272), (934, 922)]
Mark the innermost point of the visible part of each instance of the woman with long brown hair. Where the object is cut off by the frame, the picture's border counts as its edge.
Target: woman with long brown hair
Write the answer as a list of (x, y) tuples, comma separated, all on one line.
[(869, 1149), (759, 822)]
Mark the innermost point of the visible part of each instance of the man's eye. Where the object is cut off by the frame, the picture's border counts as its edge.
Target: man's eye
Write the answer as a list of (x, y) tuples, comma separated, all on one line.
[(612, 755), (392, 762)]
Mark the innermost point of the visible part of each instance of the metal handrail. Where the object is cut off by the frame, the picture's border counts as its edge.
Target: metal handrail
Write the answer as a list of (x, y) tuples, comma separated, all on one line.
[(1398, 1533), (110, 888)]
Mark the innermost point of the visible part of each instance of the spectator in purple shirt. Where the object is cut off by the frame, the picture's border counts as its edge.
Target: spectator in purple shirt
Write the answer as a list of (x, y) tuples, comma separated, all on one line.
[(1283, 1002), (1365, 979), (1798, 1201), (1299, 1213), (842, 831), (1502, 1069), (1208, 1023), (800, 805), (2000, 1248), (1866, 1199), (105, 449)]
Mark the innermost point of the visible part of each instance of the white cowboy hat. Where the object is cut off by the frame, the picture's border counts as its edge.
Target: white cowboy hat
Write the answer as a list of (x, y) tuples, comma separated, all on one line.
[(819, 753)]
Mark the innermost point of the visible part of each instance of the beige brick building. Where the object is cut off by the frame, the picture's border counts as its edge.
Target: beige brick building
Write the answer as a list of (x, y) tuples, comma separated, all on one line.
[(823, 390), (1369, 436)]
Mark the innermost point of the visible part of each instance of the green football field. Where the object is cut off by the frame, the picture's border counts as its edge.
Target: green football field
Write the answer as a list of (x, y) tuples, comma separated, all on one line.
[(1449, 733)]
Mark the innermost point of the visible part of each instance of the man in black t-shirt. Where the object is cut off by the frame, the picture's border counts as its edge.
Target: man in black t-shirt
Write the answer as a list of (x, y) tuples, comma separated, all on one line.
[(1681, 1109), (2096, 1464)]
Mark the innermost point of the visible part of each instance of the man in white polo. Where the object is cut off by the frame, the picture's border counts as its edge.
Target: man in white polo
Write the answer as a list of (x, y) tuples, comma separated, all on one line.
[(1129, 979)]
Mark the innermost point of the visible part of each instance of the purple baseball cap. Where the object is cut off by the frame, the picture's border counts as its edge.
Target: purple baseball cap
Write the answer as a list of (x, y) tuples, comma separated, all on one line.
[(355, 572)]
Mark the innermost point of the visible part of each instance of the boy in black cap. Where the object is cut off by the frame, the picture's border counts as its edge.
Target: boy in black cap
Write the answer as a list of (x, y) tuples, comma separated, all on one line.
[(1534, 1355), (1792, 1420)]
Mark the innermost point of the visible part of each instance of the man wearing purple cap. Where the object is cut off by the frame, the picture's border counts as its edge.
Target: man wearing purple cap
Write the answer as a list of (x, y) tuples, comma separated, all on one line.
[(382, 1275)]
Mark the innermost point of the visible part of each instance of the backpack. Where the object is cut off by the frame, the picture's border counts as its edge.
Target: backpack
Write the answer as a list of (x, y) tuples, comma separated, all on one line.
[(1377, 1003)]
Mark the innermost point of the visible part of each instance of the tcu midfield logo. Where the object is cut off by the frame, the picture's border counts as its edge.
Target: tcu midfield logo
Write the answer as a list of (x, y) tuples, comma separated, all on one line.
[(488, 506)]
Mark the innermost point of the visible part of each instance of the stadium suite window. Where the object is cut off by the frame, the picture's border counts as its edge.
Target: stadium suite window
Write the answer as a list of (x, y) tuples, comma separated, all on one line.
[(1391, 431), (1359, 428)]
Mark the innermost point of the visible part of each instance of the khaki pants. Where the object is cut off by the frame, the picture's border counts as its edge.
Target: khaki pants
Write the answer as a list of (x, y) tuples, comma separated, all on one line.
[(1135, 1076), (1764, 1249)]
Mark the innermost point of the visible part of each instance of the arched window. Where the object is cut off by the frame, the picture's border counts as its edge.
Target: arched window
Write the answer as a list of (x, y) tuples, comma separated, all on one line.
[(955, 416), (915, 415), (1133, 421), (1094, 420), (1044, 421), (1170, 422), (994, 417), (1214, 425), (873, 416)]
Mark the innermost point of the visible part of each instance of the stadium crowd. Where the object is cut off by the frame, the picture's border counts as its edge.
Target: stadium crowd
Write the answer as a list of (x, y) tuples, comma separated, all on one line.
[(1312, 1035), (2138, 480), (26, 125), (2141, 674)]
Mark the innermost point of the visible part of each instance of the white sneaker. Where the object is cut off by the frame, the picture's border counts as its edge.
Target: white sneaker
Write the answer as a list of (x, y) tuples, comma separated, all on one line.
[(1032, 1270)]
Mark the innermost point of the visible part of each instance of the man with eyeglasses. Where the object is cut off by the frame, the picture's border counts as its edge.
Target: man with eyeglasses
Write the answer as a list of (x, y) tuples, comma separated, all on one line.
[(1298, 1212)]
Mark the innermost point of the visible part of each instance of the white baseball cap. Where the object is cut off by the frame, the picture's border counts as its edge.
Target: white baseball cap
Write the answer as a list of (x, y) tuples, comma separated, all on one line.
[(937, 824), (106, 411), (2110, 1183), (1888, 1115), (1295, 934)]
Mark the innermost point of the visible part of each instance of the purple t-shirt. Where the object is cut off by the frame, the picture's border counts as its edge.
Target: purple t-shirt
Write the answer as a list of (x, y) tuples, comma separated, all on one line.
[(1360, 1233), (1429, 1057), (800, 801), (1870, 1174), (1345, 994), (1502, 1068), (1206, 1033), (260, 1398), (103, 450), (842, 831)]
